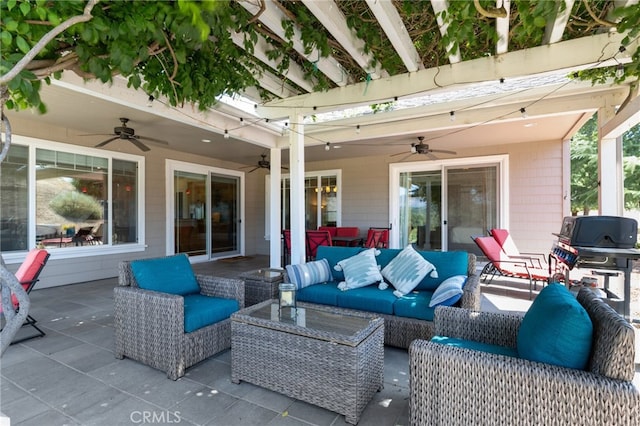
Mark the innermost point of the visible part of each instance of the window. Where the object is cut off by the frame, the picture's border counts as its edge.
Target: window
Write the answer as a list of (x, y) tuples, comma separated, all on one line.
[(322, 201), (78, 197)]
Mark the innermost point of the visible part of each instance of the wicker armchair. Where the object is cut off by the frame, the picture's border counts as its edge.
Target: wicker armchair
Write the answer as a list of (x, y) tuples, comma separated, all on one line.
[(149, 325), (455, 386)]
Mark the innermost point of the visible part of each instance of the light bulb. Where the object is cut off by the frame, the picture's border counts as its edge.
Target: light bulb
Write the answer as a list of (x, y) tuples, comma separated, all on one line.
[(327, 147), (150, 101), (358, 129), (452, 116), (523, 112), (620, 71), (226, 134)]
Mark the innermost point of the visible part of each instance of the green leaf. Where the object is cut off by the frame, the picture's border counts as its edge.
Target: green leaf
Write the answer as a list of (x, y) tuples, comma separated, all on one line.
[(10, 24), (11, 4), (25, 8), (540, 22), (6, 38), (22, 44)]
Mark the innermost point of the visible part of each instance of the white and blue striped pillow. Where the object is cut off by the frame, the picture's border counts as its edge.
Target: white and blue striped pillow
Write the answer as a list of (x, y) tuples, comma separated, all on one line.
[(309, 273), (406, 270)]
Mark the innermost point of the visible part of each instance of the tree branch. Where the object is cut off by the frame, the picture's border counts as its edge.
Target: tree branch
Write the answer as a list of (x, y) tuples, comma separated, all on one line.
[(86, 16), (492, 12), (595, 18)]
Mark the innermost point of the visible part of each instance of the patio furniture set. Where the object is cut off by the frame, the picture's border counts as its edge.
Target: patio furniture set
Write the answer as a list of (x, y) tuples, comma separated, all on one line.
[(330, 351)]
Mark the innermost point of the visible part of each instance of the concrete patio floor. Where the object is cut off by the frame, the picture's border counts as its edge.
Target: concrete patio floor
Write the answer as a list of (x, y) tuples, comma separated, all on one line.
[(71, 377)]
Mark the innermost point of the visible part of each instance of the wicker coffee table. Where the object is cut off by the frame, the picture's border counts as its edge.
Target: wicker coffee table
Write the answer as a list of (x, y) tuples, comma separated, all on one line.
[(329, 357), (261, 285)]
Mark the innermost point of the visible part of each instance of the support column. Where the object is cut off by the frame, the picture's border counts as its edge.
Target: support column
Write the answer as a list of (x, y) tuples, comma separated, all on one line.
[(296, 170), (275, 216), (610, 173)]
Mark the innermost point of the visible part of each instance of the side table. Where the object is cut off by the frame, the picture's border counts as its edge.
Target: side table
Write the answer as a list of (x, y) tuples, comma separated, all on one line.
[(261, 285)]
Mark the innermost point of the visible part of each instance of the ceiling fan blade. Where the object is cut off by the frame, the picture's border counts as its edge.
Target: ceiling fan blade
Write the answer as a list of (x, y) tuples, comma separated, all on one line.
[(443, 151), (103, 143), (99, 134), (400, 153), (253, 170), (431, 156), (160, 141), (406, 156), (139, 144)]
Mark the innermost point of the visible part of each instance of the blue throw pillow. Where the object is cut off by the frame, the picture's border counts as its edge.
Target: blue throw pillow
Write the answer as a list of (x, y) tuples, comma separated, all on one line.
[(406, 270), (171, 274), (556, 330), (309, 273), (360, 270), (449, 292)]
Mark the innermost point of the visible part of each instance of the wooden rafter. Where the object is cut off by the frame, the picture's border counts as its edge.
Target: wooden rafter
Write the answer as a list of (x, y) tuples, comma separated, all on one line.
[(556, 25), (502, 27), (440, 6)]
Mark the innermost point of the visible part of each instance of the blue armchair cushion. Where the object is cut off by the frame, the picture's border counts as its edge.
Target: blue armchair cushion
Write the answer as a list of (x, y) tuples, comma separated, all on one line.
[(556, 329), (309, 273), (448, 263), (360, 270), (476, 346), (171, 274), (448, 292), (405, 271), (201, 311)]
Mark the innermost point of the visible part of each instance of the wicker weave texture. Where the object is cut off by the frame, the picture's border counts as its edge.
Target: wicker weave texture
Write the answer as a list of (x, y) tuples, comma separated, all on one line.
[(258, 291), (339, 377), (149, 326), (454, 386)]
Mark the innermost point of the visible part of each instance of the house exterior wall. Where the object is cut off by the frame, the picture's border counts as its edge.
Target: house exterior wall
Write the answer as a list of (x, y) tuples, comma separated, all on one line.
[(535, 203)]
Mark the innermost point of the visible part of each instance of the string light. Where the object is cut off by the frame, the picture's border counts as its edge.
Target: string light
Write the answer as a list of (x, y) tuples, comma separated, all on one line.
[(226, 134), (619, 71), (358, 129), (452, 116), (150, 101), (523, 111), (327, 147)]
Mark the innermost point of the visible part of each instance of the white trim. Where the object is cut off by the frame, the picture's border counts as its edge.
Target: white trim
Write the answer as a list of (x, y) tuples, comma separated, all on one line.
[(85, 251), (171, 166), (394, 178)]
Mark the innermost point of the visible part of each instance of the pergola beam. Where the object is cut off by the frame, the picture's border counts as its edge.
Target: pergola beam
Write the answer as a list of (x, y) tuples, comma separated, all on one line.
[(393, 26), (440, 6), (572, 55), (502, 28), (294, 72), (556, 25), (272, 18), (624, 120), (330, 16)]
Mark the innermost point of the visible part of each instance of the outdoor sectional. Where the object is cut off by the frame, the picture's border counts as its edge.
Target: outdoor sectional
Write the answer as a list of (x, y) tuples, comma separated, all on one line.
[(406, 317)]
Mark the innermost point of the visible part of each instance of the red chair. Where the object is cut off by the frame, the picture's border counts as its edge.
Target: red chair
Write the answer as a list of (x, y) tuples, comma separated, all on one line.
[(286, 240), (377, 238), (333, 230), (508, 246), (501, 264), (316, 239), (28, 274)]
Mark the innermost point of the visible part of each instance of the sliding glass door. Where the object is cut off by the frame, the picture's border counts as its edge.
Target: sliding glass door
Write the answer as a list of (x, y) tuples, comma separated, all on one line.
[(206, 211), (441, 205)]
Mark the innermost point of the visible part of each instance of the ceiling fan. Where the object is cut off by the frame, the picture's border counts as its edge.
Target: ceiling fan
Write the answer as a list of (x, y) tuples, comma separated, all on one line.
[(129, 134), (423, 148), (262, 164)]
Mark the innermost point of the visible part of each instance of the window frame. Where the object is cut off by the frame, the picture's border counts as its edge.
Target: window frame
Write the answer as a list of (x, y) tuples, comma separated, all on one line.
[(32, 145)]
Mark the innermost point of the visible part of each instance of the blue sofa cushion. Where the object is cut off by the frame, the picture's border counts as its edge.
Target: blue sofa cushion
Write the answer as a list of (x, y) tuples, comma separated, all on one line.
[(449, 291), (476, 346), (323, 294), (360, 270), (556, 329), (406, 270), (448, 263), (370, 299), (309, 273), (335, 254), (171, 274), (201, 311), (415, 305)]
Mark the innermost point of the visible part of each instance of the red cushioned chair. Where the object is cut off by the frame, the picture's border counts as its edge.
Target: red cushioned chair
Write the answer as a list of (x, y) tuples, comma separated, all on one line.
[(316, 239), (508, 246), (286, 239), (377, 238), (28, 274), (501, 264)]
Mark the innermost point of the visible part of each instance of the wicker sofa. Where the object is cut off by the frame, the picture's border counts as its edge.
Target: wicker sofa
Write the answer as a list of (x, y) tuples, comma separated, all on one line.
[(401, 326), (461, 386), (150, 325)]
